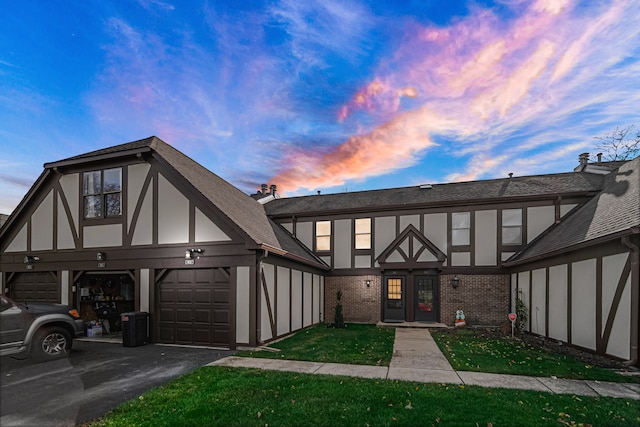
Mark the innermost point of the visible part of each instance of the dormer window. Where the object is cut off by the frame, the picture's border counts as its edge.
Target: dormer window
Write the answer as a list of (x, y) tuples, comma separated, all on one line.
[(102, 193)]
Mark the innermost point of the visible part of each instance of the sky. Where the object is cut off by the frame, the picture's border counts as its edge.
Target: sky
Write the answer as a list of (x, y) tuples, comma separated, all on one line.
[(330, 96)]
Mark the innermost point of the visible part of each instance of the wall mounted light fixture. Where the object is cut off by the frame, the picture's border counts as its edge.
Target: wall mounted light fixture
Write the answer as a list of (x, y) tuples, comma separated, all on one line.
[(101, 256), (188, 255), (455, 281), (29, 259), (368, 283)]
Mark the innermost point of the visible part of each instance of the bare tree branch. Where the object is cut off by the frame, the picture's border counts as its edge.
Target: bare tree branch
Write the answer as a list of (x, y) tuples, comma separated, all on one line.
[(623, 143)]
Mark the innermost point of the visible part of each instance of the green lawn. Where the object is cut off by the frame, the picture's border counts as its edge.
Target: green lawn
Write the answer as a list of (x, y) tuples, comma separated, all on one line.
[(220, 396), (469, 350), (356, 344)]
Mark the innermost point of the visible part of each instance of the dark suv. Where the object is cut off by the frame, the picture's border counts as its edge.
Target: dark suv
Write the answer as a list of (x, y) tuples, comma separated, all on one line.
[(44, 331)]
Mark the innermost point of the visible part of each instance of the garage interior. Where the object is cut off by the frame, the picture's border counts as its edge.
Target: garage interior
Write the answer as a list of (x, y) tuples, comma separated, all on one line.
[(102, 298)]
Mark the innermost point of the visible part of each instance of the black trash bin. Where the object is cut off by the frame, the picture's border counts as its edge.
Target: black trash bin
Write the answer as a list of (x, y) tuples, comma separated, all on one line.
[(135, 328)]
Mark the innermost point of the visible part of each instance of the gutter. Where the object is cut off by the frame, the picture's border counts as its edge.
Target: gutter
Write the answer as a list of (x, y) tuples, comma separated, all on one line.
[(269, 248), (565, 249), (635, 294)]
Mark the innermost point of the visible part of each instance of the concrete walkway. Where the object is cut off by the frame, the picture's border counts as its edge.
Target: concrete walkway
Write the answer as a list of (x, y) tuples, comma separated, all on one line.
[(416, 357)]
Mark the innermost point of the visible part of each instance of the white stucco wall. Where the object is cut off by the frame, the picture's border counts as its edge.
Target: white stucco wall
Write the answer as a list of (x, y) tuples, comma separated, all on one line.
[(243, 283), (173, 213), (65, 235), (486, 238), (619, 341), (284, 301), (265, 322), (42, 225), (307, 295), (100, 236), (539, 218), (583, 303), (558, 302), (523, 292), (538, 301), (145, 286), (296, 300), (342, 243)]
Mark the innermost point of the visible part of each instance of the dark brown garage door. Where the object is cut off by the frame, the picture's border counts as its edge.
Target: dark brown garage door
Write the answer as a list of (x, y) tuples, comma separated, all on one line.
[(194, 307), (34, 287)]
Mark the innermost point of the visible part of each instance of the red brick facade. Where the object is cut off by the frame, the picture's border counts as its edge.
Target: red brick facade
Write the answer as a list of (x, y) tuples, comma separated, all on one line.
[(360, 303), (483, 298)]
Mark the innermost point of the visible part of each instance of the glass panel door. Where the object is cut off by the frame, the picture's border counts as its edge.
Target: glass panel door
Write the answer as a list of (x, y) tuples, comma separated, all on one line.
[(394, 299), (426, 308)]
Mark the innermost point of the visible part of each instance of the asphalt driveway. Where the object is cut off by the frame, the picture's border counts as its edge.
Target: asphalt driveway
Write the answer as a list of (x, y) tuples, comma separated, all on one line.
[(95, 378)]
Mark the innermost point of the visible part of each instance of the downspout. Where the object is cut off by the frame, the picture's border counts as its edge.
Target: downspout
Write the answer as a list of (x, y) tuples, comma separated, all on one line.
[(635, 296), (259, 259)]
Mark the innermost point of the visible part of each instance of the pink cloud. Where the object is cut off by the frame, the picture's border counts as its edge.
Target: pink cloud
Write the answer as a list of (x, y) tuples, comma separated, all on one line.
[(479, 74), (394, 144)]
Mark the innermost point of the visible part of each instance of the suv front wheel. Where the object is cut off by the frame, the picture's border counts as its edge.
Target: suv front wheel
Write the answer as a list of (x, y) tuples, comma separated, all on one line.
[(51, 343)]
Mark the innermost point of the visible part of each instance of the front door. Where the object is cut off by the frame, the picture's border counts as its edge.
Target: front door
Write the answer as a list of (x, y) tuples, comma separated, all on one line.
[(426, 298), (394, 299)]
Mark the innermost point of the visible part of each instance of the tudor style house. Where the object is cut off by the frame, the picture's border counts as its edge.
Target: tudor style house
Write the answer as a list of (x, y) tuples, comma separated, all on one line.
[(141, 226)]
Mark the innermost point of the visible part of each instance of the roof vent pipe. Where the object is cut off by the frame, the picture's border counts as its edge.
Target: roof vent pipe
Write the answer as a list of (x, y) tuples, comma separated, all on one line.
[(599, 157), (583, 159), (510, 174), (273, 189), (264, 188)]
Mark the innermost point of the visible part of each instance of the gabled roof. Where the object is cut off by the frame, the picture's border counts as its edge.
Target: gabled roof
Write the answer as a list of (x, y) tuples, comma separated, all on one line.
[(463, 193), (612, 213), (411, 248), (246, 213)]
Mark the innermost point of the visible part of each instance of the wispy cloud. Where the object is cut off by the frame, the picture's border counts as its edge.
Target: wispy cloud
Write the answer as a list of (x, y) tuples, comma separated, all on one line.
[(494, 85)]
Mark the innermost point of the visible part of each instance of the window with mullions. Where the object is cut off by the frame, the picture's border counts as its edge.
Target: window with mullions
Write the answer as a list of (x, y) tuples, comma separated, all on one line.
[(102, 193), (512, 227), (460, 228), (323, 236), (394, 289), (363, 233)]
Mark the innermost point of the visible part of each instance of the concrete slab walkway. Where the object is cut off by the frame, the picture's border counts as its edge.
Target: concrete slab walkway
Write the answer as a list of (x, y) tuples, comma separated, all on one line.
[(416, 357)]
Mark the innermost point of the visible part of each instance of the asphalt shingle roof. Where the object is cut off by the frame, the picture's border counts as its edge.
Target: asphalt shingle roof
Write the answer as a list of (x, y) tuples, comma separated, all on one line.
[(441, 194), (616, 209), (242, 210)]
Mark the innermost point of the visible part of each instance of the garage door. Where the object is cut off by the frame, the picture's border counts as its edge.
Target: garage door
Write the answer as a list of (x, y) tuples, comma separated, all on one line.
[(34, 287), (194, 307)]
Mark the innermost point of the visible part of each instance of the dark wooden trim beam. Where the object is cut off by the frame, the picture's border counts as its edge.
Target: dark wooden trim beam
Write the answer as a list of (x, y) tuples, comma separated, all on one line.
[(615, 303)]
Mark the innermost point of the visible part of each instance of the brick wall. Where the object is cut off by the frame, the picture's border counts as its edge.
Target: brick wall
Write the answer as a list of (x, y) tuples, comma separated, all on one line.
[(359, 302), (483, 298)]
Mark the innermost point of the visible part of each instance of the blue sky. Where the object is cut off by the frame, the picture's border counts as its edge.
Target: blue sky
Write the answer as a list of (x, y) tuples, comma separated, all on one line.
[(332, 96)]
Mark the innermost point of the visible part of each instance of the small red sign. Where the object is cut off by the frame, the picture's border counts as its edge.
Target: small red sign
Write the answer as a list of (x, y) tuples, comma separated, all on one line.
[(125, 318), (513, 317)]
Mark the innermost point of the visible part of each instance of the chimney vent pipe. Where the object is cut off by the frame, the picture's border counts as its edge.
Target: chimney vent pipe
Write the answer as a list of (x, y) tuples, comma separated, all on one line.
[(583, 159), (264, 188), (273, 189)]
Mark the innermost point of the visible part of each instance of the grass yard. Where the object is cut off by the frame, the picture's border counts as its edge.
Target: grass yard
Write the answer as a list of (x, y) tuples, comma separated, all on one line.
[(356, 344), (219, 396), (469, 350)]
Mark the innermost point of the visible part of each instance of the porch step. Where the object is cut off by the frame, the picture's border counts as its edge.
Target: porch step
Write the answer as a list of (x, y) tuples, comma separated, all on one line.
[(411, 325)]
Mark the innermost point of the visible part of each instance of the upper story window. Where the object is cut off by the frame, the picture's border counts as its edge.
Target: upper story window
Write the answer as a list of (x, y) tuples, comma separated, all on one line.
[(323, 236), (363, 233), (102, 193), (460, 228), (512, 227)]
